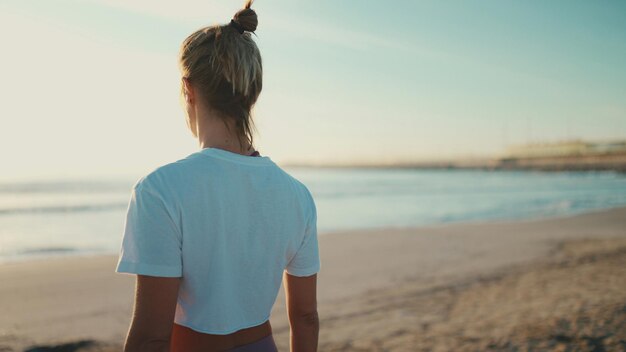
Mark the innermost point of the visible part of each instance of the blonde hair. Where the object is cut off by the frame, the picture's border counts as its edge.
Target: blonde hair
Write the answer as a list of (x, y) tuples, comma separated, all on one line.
[(224, 64)]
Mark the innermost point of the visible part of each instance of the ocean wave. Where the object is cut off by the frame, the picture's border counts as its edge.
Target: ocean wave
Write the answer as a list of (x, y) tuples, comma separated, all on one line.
[(65, 187), (63, 208), (47, 250)]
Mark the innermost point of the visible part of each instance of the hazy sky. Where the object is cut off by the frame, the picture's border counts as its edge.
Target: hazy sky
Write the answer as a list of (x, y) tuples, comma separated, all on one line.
[(91, 87)]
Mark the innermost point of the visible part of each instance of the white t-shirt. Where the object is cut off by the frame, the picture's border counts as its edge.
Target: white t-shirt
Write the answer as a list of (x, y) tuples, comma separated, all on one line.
[(229, 225)]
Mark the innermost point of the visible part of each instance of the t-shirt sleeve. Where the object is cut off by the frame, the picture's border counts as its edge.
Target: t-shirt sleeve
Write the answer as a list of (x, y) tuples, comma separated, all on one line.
[(306, 261), (152, 242)]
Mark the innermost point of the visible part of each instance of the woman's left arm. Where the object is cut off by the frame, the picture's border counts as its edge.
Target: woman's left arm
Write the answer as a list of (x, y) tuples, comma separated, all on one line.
[(153, 314)]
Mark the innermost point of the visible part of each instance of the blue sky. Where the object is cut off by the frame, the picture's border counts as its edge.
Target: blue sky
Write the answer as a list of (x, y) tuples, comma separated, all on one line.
[(90, 87)]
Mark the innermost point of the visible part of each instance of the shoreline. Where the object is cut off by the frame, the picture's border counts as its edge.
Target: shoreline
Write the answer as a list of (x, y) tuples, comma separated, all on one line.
[(374, 287), (97, 253)]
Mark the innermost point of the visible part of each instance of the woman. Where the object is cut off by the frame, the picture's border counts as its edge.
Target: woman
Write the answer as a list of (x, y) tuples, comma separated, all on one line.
[(212, 236)]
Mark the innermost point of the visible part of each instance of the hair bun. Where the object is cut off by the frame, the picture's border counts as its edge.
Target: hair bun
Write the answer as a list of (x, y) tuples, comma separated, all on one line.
[(247, 18)]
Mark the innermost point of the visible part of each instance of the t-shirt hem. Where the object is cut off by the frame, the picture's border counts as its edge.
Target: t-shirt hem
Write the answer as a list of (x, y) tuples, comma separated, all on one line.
[(148, 269), (222, 332), (304, 272)]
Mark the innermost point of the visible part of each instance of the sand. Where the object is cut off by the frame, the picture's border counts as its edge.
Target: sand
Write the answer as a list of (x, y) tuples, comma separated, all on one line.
[(555, 284)]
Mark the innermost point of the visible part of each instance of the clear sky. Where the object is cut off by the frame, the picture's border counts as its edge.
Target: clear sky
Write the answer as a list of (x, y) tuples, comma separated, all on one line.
[(91, 87)]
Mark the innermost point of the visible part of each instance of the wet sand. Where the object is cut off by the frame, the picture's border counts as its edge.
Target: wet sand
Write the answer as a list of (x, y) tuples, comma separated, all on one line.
[(555, 284)]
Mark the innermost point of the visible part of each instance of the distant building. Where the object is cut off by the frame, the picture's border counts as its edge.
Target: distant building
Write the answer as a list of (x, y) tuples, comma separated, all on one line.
[(575, 148), (608, 147)]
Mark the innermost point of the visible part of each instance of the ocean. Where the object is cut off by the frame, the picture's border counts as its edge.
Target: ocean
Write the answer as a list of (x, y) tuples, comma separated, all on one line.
[(59, 218)]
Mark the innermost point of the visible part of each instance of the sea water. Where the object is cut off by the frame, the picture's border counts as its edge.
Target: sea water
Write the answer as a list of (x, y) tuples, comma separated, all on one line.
[(58, 218)]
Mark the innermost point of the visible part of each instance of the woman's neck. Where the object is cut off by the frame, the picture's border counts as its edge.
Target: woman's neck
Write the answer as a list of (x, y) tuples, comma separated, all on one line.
[(213, 133)]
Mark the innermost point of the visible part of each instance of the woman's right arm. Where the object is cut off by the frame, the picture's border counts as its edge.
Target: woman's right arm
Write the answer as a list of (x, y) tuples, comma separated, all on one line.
[(301, 300)]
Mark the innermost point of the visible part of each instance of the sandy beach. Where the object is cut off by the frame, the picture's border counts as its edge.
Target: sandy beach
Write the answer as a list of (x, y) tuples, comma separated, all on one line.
[(555, 284)]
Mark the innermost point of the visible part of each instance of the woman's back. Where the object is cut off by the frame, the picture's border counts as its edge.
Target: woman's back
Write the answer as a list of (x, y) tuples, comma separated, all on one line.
[(212, 235), (230, 225)]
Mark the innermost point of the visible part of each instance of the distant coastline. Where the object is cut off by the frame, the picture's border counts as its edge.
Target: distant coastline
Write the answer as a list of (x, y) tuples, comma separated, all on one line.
[(561, 156), (573, 163)]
